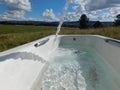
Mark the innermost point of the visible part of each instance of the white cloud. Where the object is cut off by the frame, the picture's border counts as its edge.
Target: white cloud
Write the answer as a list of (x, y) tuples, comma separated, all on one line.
[(14, 15), (72, 16), (110, 15), (32, 19), (15, 9), (102, 4), (17, 4), (48, 15), (92, 7)]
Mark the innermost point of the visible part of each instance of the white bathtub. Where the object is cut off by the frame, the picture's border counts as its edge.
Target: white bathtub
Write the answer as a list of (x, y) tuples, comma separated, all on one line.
[(22, 68)]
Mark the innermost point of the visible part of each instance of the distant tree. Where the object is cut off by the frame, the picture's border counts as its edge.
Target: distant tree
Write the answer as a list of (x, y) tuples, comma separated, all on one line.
[(97, 24), (117, 21), (83, 21)]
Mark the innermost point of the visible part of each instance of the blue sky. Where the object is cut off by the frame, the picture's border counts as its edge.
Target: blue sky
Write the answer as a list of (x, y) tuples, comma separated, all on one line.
[(50, 10), (38, 7), (2, 8)]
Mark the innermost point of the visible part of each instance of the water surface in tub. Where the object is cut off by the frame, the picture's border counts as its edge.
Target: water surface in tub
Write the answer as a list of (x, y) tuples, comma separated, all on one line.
[(77, 68)]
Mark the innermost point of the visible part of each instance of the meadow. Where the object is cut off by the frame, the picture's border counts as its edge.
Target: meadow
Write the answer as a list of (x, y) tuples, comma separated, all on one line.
[(15, 35)]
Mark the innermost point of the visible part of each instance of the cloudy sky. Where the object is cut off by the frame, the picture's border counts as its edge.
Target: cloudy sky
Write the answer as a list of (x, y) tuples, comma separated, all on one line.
[(50, 10)]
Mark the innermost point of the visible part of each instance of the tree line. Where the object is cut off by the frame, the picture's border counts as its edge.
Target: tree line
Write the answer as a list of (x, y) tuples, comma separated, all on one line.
[(83, 22)]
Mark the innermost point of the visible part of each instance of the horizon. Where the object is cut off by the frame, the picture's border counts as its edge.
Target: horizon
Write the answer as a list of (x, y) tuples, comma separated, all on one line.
[(30, 10), (50, 21)]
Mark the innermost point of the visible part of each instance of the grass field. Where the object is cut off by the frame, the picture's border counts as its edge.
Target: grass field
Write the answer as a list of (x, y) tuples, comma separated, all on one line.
[(15, 35)]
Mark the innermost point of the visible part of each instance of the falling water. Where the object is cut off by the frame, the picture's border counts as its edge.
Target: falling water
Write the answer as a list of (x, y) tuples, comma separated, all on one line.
[(62, 18)]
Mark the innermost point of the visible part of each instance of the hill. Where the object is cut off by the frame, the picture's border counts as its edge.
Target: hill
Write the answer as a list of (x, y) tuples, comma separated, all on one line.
[(42, 23)]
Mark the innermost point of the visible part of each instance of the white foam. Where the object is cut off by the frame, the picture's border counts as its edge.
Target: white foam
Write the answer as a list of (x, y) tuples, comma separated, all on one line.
[(64, 72)]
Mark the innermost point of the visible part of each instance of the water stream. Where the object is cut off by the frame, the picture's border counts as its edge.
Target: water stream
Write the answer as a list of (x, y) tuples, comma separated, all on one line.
[(62, 17)]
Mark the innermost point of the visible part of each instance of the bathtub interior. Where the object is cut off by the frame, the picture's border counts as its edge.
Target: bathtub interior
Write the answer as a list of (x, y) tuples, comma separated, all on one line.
[(80, 63)]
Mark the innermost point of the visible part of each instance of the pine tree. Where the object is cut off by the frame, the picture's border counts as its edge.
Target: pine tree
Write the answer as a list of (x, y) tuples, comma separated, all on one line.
[(97, 24), (83, 21), (117, 21)]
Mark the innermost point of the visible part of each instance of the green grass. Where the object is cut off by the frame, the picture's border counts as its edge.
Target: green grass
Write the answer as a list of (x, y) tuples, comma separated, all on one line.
[(15, 35)]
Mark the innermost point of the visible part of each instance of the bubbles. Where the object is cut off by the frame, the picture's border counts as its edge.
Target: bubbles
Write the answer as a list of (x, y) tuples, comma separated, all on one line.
[(64, 73), (64, 77)]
